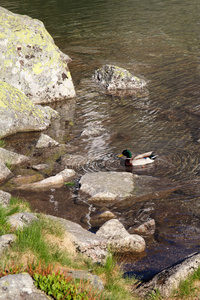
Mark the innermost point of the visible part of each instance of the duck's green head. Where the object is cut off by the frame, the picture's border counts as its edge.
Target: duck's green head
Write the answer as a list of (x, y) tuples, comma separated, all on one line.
[(126, 153)]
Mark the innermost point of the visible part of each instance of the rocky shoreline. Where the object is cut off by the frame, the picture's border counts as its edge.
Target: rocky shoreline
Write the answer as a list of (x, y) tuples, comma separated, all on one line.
[(25, 82)]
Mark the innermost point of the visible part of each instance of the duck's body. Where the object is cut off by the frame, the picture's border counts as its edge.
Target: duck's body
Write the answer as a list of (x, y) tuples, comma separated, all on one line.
[(138, 160)]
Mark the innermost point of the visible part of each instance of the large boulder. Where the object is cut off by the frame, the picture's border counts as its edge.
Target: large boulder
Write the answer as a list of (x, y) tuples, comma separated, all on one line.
[(114, 78), (31, 61), (19, 114)]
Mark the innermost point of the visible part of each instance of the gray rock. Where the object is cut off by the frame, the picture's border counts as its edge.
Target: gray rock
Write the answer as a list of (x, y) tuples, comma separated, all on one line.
[(50, 182), (122, 189), (12, 158), (107, 186), (170, 278), (130, 244), (5, 173), (19, 114), (147, 228), (19, 287), (19, 220), (5, 198), (112, 230), (112, 77), (84, 275), (87, 243), (5, 241), (45, 141), (119, 239), (40, 167), (31, 61)]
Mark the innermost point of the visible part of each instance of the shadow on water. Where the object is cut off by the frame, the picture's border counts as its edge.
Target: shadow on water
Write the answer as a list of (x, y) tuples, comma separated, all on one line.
[(158, 41)]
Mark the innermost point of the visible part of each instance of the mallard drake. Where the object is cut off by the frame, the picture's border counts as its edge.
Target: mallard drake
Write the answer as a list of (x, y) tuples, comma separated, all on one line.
[(138, 160)]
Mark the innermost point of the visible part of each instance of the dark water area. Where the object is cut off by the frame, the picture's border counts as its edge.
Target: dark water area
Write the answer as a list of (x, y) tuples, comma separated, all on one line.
[(158, 41)]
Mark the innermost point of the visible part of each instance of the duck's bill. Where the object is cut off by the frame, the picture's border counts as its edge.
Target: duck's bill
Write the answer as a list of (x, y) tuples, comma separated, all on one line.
[(120, 155)]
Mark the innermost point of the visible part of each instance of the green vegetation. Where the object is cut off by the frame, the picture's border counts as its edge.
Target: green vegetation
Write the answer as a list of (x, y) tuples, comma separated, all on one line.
[(2, 143), (37, 250), (59, 287)]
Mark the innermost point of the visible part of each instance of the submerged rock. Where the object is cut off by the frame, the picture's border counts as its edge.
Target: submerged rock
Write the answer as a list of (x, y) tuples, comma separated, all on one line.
[(19, 114), (31, 61), (114, 78)]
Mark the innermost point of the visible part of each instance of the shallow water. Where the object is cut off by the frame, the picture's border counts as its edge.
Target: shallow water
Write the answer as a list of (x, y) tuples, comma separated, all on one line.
[(158, 41)]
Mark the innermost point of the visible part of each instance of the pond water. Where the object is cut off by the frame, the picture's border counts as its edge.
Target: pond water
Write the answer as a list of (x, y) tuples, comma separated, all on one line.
[(155, 40)]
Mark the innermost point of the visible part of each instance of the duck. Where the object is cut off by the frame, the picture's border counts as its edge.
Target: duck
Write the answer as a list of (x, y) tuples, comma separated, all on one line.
[(139, 159)]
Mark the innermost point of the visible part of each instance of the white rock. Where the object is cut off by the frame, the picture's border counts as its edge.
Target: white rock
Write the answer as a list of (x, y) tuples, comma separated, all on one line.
[(12, 158), (50, 182), (4, 198), (45, 141)]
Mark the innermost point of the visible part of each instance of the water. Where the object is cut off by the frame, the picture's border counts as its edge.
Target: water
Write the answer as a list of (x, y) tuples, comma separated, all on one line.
[(158, 41)]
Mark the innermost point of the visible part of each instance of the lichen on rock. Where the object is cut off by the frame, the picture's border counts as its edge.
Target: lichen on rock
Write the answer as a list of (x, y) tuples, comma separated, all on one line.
[(31, 61), (19, 114)]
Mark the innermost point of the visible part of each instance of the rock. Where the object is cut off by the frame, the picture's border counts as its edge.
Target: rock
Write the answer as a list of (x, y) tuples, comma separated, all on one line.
[(20, 287), (19, 220), (84, 275), (12, 158), (40, 167), (98, 219), (4, 198), (5, 173), (112, 230), (147, 228), (122, 189), (119, 239), (50, 182), (169, 279), (87, 243), (130, 244), (112, 78), (19, 114), (107, 186), (45, 141), (31, 61), (5, 241)]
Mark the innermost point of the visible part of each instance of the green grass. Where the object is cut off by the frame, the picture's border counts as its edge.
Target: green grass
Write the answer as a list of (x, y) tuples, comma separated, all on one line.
[(186, 288), (2, 143)]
